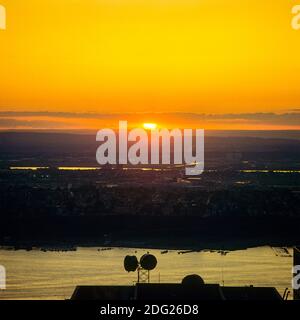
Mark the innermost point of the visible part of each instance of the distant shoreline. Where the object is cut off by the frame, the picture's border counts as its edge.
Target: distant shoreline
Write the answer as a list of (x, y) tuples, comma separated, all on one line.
[(192, 246), (179, 232)]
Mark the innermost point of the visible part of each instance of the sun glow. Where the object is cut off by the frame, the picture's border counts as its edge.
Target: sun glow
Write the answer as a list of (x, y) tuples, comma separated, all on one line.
[(150, 126), (155, 61)]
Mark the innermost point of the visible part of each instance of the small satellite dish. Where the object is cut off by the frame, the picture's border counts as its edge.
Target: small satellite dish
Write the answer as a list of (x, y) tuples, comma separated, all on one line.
[(131, 263), (148, 261), (192, 280)]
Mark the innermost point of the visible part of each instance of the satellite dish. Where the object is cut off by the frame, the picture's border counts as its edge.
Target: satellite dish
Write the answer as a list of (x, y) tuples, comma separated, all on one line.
[(192, 280), (131, 263), (148, 261)]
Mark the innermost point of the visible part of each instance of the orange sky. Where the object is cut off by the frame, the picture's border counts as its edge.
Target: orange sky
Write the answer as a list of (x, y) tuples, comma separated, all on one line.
[(149, 57)]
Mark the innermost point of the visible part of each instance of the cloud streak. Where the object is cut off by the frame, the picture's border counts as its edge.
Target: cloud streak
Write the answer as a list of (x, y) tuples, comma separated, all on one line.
[(52, 120), (11, 123)]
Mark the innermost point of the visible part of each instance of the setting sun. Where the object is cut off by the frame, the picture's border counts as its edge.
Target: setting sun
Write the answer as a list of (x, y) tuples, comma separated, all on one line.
[(150, 126)]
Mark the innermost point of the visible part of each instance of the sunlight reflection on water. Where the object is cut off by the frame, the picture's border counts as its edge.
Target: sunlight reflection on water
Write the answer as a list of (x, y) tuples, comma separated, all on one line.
[(54, 275)]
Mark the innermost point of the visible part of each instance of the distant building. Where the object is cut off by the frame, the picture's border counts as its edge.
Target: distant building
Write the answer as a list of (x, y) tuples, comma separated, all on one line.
[(172, 291)]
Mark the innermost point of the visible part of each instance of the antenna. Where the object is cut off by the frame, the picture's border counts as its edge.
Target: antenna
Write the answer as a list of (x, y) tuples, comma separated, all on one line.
[(147, 263)]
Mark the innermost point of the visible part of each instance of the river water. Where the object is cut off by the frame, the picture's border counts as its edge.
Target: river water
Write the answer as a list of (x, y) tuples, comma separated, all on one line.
[(54, 275)]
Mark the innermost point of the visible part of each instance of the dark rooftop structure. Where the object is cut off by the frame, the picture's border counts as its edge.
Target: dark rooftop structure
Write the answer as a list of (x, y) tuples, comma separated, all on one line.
[(192, 287), (171, 291)]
